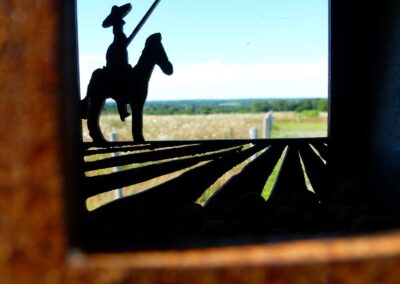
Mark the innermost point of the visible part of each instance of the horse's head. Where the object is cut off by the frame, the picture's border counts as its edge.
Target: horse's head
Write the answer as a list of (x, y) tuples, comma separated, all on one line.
[(156, 51)]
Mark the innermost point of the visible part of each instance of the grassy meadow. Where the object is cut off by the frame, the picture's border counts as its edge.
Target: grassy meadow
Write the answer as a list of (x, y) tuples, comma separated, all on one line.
[(197, 127), (213, 126)]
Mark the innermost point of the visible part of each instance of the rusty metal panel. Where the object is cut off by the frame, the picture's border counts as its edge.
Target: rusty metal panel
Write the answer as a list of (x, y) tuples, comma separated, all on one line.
[(357, 260), (32, 236), (33, 242)]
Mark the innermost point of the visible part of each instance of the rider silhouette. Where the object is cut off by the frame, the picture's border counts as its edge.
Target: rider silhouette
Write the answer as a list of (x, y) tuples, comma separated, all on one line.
[(118, 67)]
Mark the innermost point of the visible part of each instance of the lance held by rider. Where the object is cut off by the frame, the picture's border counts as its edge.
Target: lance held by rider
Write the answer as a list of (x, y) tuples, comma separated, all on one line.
[(117, 53)]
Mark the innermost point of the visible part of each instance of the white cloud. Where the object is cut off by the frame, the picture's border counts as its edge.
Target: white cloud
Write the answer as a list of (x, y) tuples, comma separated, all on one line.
[(217, 80), (208, 80), (217, 73)]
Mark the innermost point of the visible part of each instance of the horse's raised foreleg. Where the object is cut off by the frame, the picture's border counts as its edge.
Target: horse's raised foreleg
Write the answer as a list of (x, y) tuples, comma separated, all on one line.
[(122, 109), (137, 122), (96, 105)]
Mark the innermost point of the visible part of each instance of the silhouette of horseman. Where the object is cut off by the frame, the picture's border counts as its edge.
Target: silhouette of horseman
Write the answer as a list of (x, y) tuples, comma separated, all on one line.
[(119, 80), (118, 68)]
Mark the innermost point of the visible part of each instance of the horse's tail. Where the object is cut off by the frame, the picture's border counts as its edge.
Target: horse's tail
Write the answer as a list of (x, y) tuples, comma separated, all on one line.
[(84, 108), (85, 102)]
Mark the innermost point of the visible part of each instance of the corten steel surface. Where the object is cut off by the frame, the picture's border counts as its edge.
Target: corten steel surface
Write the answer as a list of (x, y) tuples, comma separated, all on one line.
[(32, 178), (32, 236), (360, 260)]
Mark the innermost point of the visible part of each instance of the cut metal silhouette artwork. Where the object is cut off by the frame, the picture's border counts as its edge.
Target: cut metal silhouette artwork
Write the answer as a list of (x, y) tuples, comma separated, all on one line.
[(120, 81)]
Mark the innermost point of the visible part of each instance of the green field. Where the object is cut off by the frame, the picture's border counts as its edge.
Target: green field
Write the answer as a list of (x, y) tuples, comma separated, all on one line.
[(197, 127)]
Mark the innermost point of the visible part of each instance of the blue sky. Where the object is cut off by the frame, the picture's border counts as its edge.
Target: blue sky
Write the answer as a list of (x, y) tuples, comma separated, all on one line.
[(220, 49)]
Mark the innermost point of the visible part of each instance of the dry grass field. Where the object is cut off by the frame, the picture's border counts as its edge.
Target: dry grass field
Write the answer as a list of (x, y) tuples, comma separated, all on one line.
[(213, 126), (198, 127)]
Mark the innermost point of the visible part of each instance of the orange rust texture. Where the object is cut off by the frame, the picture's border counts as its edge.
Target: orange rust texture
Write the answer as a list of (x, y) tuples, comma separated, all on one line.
[(360, 272), (373, 259), (31, 227)]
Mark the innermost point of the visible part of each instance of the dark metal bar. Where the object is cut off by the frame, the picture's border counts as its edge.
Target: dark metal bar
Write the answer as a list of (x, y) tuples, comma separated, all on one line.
[(102, 183), (291, 176), (322, 149), (150, 156), (185, 188), (316, 171), (124, 149), (287, 141), (252, 178)]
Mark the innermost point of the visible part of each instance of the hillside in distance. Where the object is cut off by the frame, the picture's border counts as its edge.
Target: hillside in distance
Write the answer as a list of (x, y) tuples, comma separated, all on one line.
[(228, 106)]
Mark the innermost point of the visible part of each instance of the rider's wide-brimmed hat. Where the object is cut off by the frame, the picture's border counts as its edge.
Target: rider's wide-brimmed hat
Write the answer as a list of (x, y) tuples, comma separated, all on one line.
[(116, 15)]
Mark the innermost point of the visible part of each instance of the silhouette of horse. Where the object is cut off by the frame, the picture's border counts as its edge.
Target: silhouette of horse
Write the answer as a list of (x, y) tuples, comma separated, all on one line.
[(131, 88)]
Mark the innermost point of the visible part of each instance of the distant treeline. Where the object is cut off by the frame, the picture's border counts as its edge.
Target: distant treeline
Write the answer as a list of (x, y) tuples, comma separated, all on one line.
[(229, 106)]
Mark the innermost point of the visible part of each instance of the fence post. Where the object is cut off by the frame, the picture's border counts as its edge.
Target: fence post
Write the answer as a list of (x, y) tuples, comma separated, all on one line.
[(268, 121), (253, 133), (117, 192)]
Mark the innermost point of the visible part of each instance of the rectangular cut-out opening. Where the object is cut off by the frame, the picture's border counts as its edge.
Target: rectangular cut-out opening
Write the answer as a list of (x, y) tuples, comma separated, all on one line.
[(201, 123), (144, 195)]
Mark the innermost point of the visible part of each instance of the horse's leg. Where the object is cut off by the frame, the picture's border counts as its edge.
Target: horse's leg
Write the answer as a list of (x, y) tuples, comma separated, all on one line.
[(137, 122), (122, 110), (84, 108), (96, 105), (95, 100)]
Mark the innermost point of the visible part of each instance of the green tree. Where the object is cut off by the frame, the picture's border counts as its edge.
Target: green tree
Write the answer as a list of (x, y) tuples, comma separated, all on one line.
[(322, 105)]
